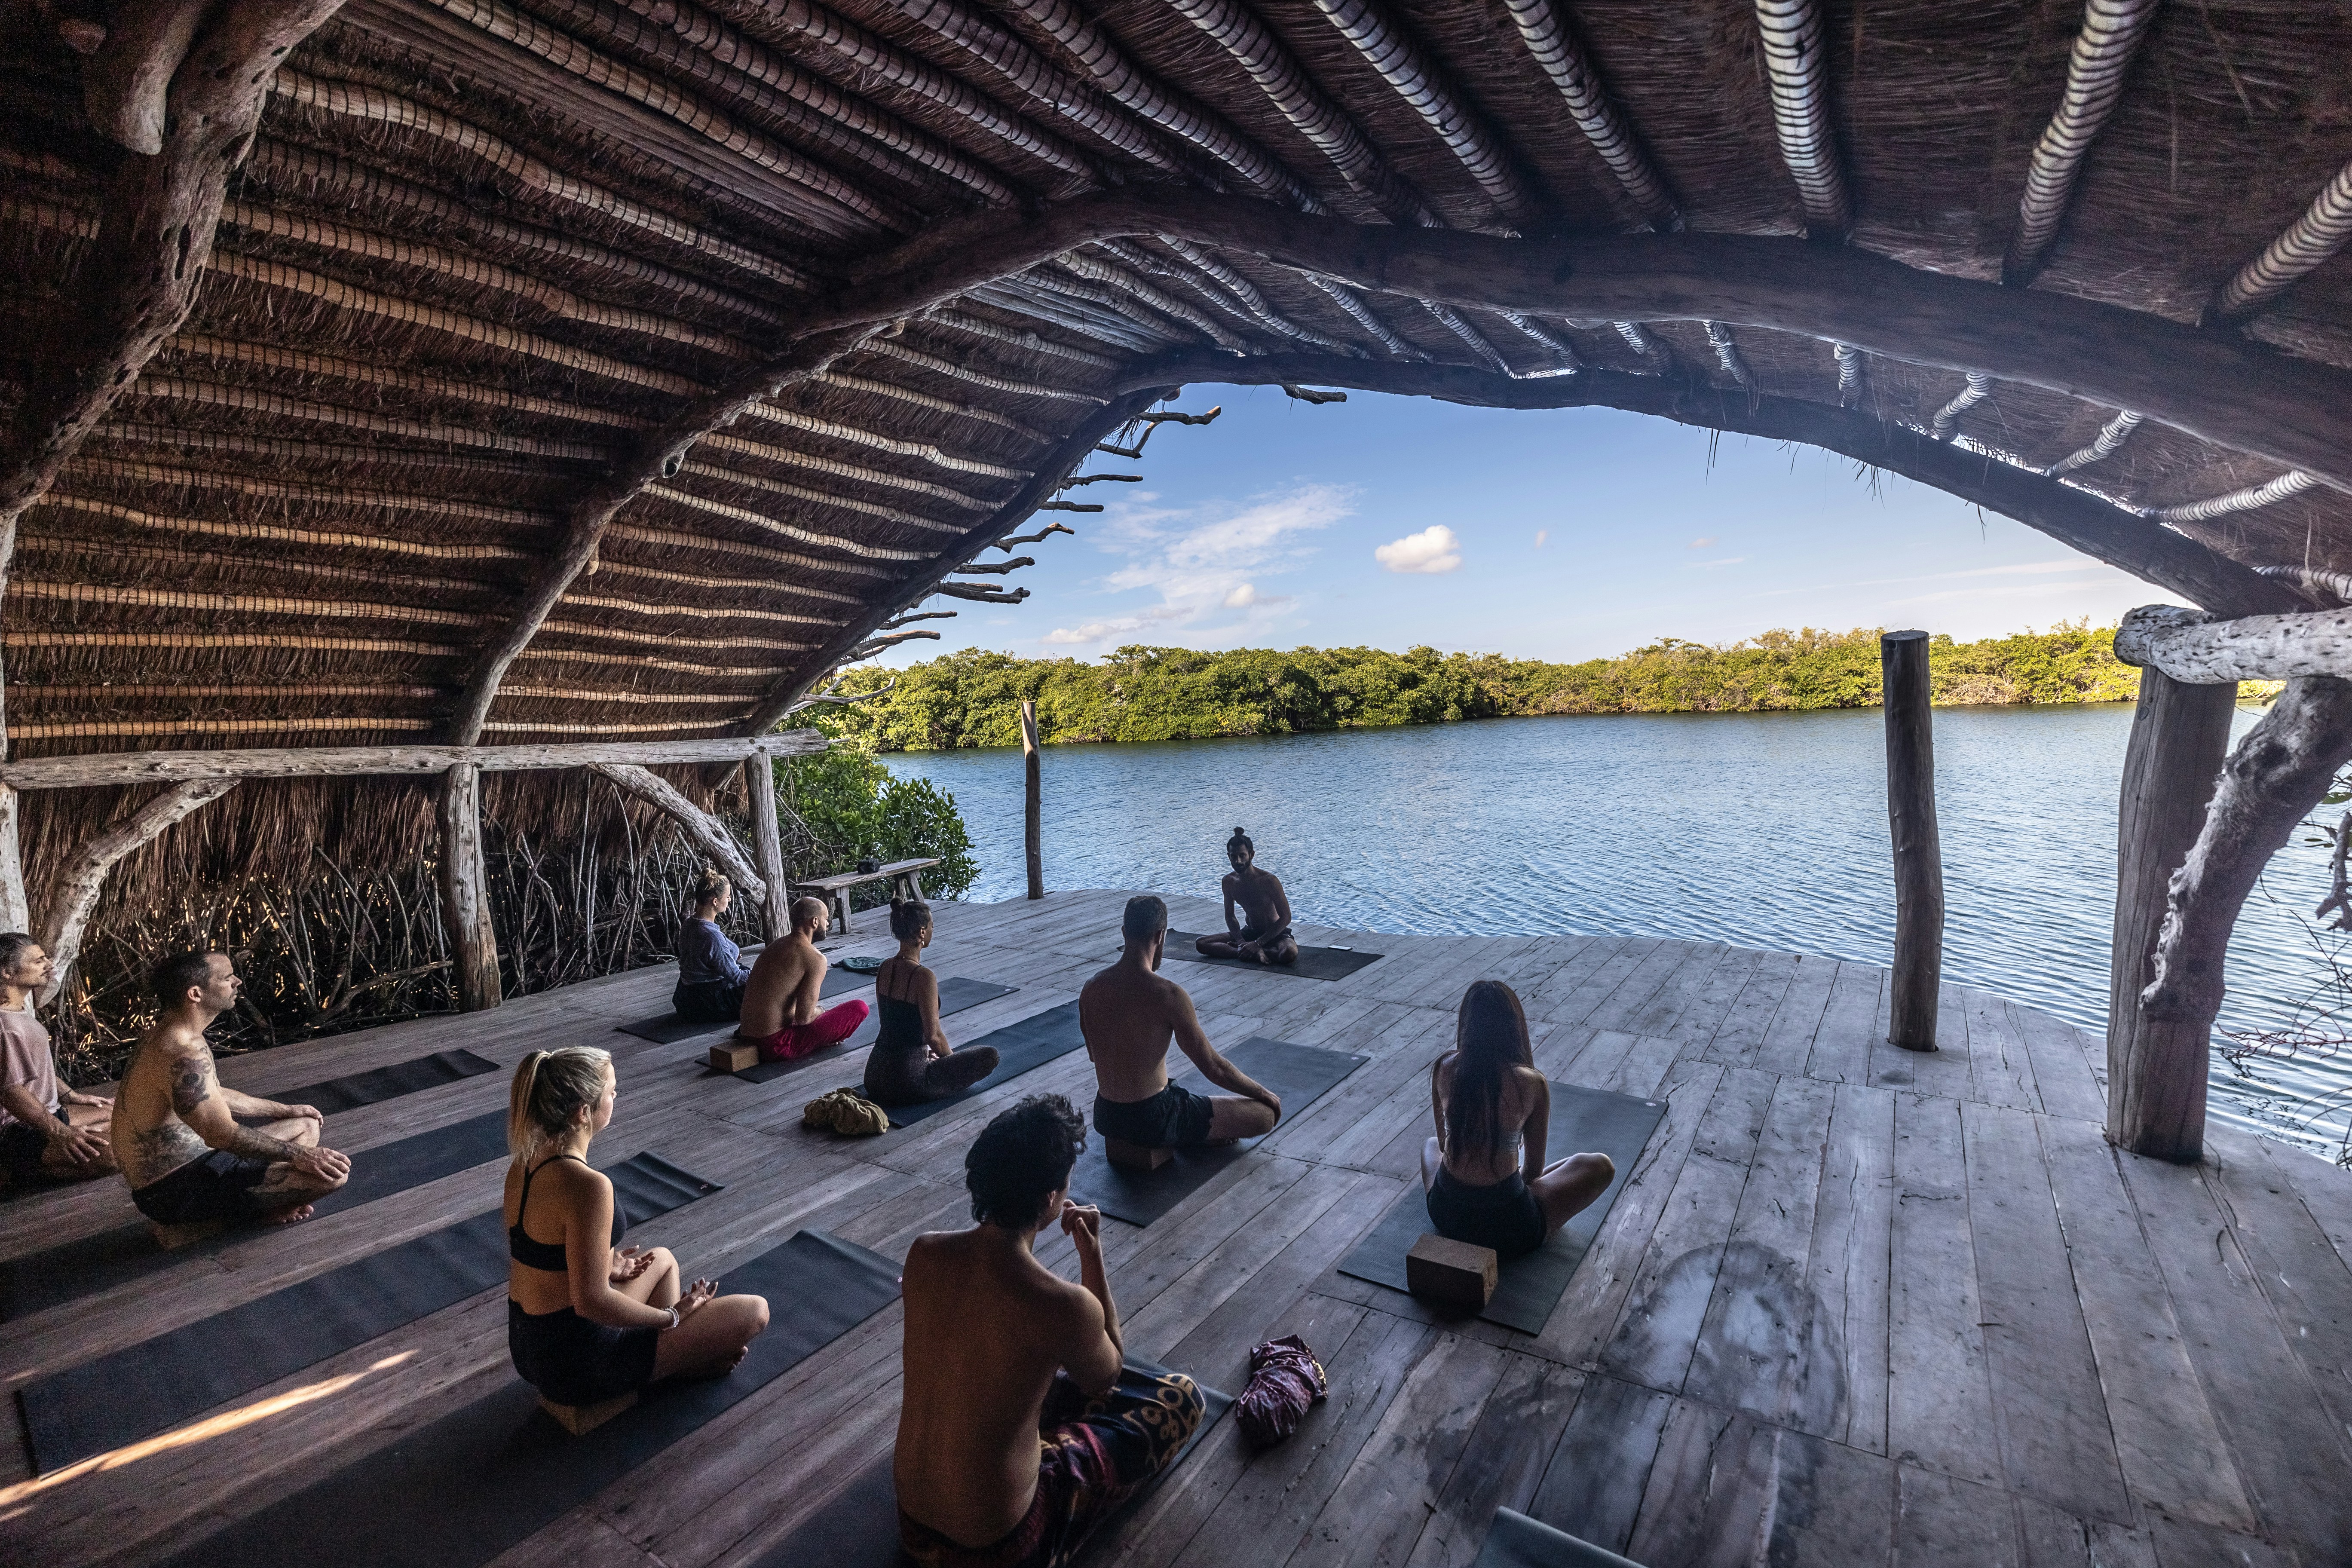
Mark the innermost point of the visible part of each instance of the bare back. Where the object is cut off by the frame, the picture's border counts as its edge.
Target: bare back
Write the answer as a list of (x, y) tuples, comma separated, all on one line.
[(171, 1068), (987, 1326), (1129, 1015), (783, 987), (1521, 1116)]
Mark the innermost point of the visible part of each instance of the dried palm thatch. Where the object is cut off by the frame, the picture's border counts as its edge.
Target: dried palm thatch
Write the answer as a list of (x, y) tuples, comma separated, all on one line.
[(565, 368)]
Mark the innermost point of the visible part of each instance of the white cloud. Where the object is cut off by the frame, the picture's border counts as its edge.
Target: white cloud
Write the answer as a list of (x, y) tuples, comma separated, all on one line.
[(1542, 534), (1722, 561), (1700, 543), (1432, 551), (1243, 597)]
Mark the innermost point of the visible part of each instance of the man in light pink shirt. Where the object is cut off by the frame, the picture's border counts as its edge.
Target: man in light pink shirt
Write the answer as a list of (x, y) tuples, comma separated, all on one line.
[(46, 1129)]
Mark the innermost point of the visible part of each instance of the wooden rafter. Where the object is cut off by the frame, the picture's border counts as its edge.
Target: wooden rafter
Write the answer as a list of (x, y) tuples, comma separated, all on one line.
[(2095, 68), (1797, 68)]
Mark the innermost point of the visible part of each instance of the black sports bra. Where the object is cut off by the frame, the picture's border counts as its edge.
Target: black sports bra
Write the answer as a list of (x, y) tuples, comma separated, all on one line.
[(550, 1255)]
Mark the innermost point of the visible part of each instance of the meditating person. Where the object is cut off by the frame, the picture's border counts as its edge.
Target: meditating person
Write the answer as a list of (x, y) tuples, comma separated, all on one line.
[(711, 972), (1484, 1174), (1128, 1014), (176, 1129), (1260, 932), (781, 1012), (912, 1061), (587, 1318), (1016, 1436), (47, 1130)]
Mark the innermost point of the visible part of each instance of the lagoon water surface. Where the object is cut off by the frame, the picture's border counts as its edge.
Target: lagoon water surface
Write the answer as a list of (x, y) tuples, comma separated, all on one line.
[(1763, 830)]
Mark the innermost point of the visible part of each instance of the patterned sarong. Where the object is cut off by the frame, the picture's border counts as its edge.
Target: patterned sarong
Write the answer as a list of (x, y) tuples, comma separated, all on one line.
[(1092, 1456)]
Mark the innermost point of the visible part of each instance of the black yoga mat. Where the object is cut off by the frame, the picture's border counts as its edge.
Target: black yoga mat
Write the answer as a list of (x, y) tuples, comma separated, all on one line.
[(152, 1387), (1528, 1288), (460, 1492), (1515, 1540), (1298, 1075), (1033, 1042), (956, 994), (666, 1028), (1313, 962), (111, 1258), (350, 1092), (859, 1528)]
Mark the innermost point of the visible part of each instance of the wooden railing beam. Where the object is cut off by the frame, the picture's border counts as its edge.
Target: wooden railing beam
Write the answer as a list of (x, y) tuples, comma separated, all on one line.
[(345, 761)]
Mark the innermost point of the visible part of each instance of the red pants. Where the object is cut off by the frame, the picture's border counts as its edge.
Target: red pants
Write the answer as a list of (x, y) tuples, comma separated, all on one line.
[(829, 1027)]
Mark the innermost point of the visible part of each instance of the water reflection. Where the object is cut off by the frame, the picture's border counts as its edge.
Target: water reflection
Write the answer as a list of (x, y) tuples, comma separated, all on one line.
[(1764, 830)]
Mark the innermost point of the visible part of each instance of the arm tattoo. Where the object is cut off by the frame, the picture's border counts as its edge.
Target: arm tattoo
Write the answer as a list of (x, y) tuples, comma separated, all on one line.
[(251, 1145), (191, 1086)]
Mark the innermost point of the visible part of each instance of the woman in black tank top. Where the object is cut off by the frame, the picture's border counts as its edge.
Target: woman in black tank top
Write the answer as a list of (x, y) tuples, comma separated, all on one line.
[(912, 1061), (587, 1319)]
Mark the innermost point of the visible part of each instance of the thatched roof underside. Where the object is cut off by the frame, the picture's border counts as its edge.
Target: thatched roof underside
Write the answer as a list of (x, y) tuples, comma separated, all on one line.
[(483, 245)]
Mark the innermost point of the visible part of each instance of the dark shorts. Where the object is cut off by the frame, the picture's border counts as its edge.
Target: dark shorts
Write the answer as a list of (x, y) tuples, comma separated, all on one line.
[(708, 1001), (21, 1148), (574, 1362), (1092, 1456), (218, 1186), (1175, 1118), (1505, 1216)]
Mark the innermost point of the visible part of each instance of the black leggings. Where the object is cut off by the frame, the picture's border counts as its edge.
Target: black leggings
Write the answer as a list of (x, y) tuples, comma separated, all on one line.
[(901, 1075), (708, 1001)]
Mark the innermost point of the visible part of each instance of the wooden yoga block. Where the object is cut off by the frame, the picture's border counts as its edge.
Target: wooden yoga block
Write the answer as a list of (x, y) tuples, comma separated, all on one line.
[(1451, 1273), (172, 1238), (1135, 1156), (734, 1055), (582, 1419)]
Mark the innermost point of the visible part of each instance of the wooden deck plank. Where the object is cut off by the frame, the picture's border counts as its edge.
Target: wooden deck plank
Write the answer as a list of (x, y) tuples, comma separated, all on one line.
[(1787, 1038), (1940, 1396), (1846, 1267), (1745, 1022), (1841, 1041)]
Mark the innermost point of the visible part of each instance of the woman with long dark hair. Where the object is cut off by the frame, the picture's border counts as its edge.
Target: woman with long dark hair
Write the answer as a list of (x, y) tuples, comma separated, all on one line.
[(912, 1060), (1485, 1173)]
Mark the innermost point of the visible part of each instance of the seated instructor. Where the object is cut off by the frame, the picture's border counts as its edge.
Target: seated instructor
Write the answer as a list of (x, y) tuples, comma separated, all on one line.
[(47, 1130), (912, 1062), (1261, 932), (1484, 1174), (711, 972), (781, 1012), (1016, 1436), (176, 1130), (588, 1320), (1127, 1013)]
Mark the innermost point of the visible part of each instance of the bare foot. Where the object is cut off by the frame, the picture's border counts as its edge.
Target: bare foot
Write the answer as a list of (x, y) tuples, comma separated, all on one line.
[(288, 1216)]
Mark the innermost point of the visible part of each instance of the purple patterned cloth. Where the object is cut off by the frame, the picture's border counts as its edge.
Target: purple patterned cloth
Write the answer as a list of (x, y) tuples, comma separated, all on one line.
[(1285, 1380)]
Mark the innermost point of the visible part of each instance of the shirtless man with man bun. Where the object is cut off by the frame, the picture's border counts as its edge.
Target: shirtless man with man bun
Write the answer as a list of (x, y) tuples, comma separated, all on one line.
[(1261, 933), (176, 1135)]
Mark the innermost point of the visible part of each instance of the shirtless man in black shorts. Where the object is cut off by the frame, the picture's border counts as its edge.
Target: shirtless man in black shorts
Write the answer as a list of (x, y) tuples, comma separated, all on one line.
[(1265, 938), (176, 1135), (1128, 1014)]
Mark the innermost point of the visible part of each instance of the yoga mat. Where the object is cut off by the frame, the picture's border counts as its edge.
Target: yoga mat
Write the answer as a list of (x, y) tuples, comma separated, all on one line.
[(1297, 1074), (666, 1028), (152, 1387), (1313, 962), (459, 1491), (1515, 1540), (1582, 1119), (127, 1252), (350, 1092), (955, 995), (1033, 1042), (859, 1528)]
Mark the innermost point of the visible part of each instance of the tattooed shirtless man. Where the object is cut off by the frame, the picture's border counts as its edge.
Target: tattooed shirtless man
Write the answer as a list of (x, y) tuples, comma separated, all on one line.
[(176, 1130)]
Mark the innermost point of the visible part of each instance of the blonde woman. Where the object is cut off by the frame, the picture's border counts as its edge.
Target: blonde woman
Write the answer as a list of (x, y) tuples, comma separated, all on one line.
[(588, 1320)]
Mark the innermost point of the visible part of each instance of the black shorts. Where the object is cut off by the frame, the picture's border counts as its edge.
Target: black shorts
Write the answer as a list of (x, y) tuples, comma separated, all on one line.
[(218, 1186), (1175, 1118), (22, 1145), (1505, 1216), (574, 1362)]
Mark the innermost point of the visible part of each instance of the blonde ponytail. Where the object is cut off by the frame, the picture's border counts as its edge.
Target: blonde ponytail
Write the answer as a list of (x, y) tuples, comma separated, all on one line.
[(550, 1088)]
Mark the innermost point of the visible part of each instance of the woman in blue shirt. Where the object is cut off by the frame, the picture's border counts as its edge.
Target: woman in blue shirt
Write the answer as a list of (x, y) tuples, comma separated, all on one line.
[(711, 972)]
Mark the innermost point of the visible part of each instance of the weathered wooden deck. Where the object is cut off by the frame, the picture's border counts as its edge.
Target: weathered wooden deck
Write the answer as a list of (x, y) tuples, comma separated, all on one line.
[(1856, 1306)]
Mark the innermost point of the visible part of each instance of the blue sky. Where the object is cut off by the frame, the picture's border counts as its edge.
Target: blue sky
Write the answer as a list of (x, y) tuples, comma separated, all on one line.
[(1559, 534)]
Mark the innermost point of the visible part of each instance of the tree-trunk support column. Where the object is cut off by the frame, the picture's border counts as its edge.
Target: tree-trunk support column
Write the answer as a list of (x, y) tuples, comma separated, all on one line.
[(1032, 830), (465, 890), (768, 844), (2156, 1068), (1918, 856), (15, 910)]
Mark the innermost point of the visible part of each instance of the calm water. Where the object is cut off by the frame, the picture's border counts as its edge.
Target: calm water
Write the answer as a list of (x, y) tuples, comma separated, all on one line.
[(1762, 830)]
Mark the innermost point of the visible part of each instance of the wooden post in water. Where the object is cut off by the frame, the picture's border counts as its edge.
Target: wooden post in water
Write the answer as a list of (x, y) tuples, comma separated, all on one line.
[(768, 847), (2156, 1068), (1918, 856), (465, 890), (1031, 830)]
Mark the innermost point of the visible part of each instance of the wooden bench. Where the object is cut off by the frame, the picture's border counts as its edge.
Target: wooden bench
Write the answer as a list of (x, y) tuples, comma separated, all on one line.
[(905, 877)]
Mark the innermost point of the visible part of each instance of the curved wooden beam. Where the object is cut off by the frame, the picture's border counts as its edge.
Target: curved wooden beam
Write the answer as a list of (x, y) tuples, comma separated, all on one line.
[(2076, 518), (85, 876)]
